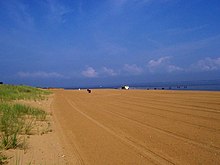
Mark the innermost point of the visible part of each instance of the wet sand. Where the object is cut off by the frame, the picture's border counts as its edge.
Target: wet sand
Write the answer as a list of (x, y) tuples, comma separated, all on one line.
[(138, 126)]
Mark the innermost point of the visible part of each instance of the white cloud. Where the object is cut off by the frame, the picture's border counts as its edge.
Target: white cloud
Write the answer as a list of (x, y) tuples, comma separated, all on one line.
[(109, 71), (152, 64), (40, 74), (173, 68), (207, 64), (90, 72), (133, 69), (162, 65)]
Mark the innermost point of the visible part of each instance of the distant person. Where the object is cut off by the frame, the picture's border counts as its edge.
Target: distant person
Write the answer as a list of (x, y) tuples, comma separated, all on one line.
[(89, 90)]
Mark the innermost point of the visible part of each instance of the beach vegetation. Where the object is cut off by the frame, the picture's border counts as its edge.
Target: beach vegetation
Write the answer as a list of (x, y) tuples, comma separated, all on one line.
[(19, 121), (21, 92)]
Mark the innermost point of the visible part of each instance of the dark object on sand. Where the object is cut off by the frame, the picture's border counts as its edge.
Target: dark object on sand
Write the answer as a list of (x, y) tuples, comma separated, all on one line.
[(89, 90), (126, 87), (1, 82)]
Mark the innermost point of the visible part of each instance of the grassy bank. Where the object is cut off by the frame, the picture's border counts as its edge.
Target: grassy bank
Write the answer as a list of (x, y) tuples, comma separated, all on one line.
[(18, 121), (11, 92)]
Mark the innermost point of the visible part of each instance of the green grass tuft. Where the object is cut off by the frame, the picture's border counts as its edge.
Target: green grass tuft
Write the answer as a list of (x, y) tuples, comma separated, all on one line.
[(17, 120)]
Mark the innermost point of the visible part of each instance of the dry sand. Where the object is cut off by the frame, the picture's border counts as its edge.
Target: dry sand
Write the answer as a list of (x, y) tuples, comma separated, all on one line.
[(126, 127), (138, 126)]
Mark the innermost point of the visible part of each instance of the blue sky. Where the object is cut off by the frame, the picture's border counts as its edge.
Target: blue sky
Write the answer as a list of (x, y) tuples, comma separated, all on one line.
[(108, 42)]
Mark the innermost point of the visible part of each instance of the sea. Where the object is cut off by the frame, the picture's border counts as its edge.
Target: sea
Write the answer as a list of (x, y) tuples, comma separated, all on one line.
[(204, 85), (200, 85)]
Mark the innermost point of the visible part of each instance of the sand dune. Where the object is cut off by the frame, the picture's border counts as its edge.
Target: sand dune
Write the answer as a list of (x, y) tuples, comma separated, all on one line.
[(139, 127)]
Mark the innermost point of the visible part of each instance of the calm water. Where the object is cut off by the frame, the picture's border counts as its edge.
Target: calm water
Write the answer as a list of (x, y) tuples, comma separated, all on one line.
[(206, 85), (213, 85)]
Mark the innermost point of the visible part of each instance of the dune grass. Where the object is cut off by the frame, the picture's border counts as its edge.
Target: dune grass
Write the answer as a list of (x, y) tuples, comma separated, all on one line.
[(17, 120), (11, 92)]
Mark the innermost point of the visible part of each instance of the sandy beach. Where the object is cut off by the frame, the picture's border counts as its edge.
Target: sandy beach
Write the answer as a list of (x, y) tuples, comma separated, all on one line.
[(138, 126)]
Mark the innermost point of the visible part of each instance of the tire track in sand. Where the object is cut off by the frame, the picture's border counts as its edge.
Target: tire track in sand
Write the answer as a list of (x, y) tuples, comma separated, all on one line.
[(166, 117), (148, 154), (169, 133), (77, 159), (166, 132), (178, 102), (152, 105)]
